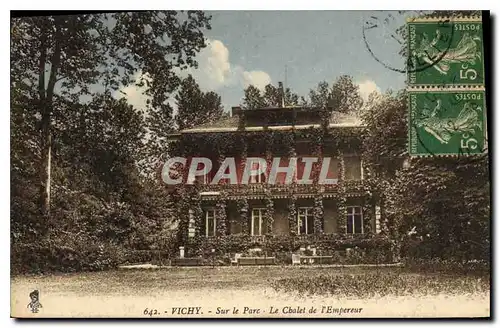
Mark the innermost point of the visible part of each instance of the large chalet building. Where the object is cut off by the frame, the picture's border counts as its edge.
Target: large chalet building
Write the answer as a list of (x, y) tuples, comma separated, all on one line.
[(257, 211)]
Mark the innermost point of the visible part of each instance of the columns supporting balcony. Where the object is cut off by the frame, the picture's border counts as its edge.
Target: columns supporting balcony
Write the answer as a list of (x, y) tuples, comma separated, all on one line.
[(221, 217), (318, 213), (243, 214)]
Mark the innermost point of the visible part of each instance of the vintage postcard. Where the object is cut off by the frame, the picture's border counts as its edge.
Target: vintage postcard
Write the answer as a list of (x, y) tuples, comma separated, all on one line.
[(250, 164)]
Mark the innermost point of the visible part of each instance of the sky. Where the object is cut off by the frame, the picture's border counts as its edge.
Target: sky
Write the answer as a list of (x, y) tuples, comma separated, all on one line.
[(257, 47)]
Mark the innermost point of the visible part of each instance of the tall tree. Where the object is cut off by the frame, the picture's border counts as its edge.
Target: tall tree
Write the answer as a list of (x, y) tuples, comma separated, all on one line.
[(271, 96), (44, 50), (104, 138), (62, 57), (385, 141), (253, 98), (342, 96), (446, 202), (195, 106)]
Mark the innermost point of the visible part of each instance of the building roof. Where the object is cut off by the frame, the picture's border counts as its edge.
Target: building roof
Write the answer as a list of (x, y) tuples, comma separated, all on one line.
[(227, 122), (231, 124), (345, 120)]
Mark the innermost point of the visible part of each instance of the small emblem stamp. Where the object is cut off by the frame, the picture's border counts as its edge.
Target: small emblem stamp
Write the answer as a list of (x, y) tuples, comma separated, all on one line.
[(35, 304), (447, 123), (445, 52)]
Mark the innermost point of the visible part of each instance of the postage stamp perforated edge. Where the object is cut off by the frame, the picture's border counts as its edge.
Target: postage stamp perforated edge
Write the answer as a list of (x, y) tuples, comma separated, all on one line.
[(444, 19), (444, 88)]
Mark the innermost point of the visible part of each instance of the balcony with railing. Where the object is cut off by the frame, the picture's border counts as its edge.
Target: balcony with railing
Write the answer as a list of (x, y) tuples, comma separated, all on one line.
[(263, 240), (284, 190)]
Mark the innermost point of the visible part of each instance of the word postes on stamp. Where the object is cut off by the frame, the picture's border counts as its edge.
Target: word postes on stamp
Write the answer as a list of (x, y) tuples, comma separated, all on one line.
[(445, 52), (447, 123)]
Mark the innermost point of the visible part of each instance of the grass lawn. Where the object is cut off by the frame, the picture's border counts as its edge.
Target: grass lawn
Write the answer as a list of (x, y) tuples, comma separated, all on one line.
[(129, 292)]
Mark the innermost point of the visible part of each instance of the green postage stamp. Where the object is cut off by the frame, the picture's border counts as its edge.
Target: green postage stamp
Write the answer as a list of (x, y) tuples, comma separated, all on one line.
[(445, 51), (447, 122)]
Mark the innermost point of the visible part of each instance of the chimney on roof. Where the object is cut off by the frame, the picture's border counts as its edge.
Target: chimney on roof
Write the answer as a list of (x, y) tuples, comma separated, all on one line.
[(235, 110), (282, 94)]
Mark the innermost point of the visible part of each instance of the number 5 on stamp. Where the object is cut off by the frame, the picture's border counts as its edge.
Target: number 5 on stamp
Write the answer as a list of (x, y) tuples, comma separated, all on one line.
[(447, 123)]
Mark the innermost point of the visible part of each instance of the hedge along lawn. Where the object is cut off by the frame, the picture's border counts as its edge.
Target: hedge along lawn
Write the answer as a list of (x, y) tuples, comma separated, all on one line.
[(378, 284), (349, 281)]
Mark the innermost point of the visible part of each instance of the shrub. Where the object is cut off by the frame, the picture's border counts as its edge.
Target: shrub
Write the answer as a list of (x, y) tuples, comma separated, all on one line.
[(80, 254), (446, 266)]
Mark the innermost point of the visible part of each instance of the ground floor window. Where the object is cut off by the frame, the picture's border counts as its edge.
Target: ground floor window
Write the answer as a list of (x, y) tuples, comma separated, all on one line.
[(259, 226), (354, 219), (305, 220), (210, 223)]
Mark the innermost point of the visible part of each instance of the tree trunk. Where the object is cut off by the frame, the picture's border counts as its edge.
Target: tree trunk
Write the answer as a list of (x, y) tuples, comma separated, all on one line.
[(45, 130), (46, 103), (46, 147)]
